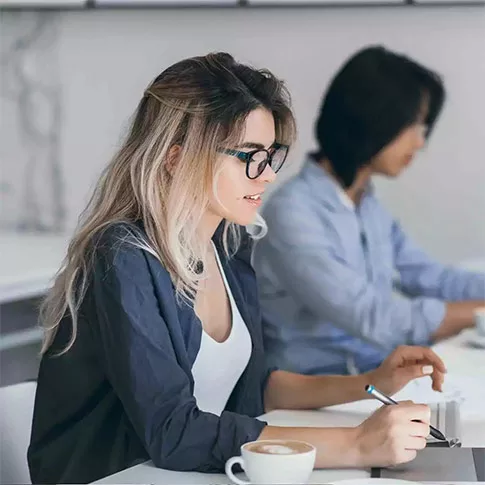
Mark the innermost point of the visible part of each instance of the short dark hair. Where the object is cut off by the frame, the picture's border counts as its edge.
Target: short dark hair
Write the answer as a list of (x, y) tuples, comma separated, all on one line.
[(374, 96)]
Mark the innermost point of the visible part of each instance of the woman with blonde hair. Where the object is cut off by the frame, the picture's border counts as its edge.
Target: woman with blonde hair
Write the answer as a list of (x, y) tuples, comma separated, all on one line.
[(153, 345)]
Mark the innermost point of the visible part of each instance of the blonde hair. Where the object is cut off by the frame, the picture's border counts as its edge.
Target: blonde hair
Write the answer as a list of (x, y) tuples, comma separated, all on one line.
[(198, 104)]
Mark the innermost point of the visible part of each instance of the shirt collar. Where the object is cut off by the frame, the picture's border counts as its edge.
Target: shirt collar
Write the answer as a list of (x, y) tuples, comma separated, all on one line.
[(326, 189), (344, 198)]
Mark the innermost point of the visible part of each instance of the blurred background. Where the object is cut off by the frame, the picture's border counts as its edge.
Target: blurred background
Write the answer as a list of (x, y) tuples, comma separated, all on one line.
[(72, 74)]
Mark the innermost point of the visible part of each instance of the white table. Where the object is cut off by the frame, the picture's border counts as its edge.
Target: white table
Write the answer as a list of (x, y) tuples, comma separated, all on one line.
[(28, 263), (147, 473), (460, 360)]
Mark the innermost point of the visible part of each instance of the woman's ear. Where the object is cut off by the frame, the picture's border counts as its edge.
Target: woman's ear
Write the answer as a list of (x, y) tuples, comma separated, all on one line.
[(173, 158)]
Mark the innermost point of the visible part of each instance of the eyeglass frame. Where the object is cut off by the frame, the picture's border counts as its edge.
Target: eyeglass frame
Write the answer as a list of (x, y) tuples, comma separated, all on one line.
[(246, 157)]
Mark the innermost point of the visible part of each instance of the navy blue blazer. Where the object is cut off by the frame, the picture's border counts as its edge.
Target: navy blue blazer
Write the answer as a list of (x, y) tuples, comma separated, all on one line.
[(123, 393)]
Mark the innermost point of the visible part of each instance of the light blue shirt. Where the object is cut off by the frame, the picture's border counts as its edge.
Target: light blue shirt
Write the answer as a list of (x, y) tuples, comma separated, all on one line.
[(327, 273)]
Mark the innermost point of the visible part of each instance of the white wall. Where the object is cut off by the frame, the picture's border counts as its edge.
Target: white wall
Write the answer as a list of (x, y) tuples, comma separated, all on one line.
[(108, 57)]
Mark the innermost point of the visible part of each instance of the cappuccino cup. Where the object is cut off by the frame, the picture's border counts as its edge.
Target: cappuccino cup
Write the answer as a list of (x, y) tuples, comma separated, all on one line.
[(274, 462)]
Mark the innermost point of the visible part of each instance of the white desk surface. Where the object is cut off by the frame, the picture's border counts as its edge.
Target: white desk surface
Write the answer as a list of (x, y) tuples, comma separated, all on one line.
[(28, 263), (460, 360)]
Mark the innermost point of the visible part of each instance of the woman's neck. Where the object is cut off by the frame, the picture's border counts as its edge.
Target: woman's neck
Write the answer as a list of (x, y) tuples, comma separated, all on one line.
[(208, 226), (357, 189)]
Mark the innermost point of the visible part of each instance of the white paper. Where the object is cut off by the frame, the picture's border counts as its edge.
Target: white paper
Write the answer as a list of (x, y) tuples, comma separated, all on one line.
[(466, 390), (469, 391)]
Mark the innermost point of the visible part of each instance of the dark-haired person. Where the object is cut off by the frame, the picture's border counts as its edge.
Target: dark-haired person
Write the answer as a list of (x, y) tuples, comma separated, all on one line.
[(328, 265)]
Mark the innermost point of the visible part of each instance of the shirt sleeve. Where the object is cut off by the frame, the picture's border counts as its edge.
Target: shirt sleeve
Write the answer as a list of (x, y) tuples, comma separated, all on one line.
[(144, 369), (420, 275), (323, 283)]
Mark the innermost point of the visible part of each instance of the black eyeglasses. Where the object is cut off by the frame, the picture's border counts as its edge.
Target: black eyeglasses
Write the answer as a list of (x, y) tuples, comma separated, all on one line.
[(256, 160)]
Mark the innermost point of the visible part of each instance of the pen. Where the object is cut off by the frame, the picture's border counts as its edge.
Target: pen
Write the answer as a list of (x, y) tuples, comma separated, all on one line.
[(435, 433)]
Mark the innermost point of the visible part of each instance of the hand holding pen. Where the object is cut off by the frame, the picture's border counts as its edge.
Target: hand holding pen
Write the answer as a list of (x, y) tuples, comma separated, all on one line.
[(434, 432), (393, 434)]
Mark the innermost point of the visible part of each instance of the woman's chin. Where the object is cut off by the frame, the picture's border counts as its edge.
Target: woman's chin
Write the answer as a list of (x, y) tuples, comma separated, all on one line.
[(242, 219)]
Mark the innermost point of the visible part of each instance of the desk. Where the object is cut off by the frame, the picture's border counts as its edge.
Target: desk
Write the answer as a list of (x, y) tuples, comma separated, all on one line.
[(29, 263), (460, 359), (147, 473)]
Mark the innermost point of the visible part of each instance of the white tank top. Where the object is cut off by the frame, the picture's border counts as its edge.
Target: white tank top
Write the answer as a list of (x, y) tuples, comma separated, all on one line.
[(219, 365)]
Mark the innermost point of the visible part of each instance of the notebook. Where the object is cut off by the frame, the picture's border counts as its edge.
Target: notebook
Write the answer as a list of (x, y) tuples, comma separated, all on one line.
[(439, 464), (445, 416)]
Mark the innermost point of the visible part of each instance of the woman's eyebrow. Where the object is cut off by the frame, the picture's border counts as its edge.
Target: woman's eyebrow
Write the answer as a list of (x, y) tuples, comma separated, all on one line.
[(252, 144)]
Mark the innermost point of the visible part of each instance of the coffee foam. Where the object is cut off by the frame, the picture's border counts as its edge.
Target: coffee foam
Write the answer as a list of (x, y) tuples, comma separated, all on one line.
[(277, 450), (279, 447)]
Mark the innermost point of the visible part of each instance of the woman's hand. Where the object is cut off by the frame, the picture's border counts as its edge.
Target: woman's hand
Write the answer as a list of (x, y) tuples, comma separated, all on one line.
[(405, 364), (390, 437)]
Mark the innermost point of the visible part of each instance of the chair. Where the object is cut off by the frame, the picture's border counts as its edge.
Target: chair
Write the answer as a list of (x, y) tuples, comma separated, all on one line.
[(16, 411)]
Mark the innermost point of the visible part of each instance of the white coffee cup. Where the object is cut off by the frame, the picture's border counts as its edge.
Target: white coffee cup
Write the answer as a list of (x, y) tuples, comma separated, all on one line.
[(480, 320), (273, 462)]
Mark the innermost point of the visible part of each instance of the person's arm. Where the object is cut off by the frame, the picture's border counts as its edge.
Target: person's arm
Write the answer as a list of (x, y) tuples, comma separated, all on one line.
[(388, 437), (336, 447), (463, 291), (138, 355), (458, 317), (322, 282), (286, 390), (383, 439), (421, 275)]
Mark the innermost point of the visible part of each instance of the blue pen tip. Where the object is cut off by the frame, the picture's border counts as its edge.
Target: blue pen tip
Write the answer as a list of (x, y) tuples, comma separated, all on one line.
[(369, 388)]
